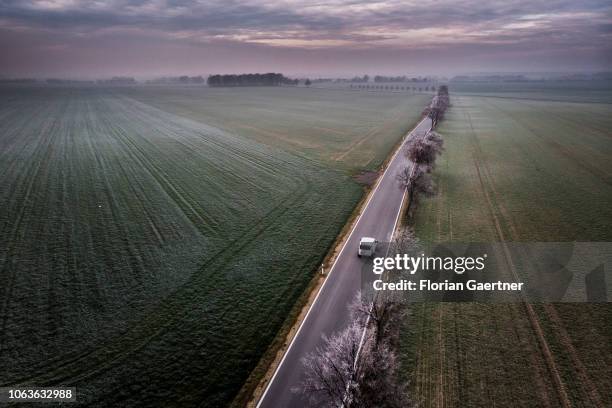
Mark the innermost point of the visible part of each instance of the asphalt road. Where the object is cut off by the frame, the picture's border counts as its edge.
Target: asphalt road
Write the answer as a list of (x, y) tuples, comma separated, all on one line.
[(329, 312)]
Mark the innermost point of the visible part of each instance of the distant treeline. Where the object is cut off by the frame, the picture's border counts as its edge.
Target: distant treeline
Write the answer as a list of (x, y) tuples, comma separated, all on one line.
[(358, 80), (117, 81), (183, 79), (534, 77), (269, 79), (396, 87), (489, 78), (403, 78), (377, 79), (17, 80), (63, 81), (57, 81)]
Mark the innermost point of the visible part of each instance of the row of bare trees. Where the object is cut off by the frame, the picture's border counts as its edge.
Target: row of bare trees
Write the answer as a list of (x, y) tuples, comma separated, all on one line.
[(438, 105), (422, 150), (395, 87), (359, 367)]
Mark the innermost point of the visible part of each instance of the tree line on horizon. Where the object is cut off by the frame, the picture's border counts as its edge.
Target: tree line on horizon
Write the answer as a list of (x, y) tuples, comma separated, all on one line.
[(183, 79), (403, 78), (116, 80), (396, 87), (269, 79)]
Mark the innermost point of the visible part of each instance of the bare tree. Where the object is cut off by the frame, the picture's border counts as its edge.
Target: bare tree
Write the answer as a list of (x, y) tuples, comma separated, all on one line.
[(423, 185), (408, 175), (438, 106), (381, 384), (422, 150), (340, 373), (405, 241), (417, 183), (332, 370), (381, 311)]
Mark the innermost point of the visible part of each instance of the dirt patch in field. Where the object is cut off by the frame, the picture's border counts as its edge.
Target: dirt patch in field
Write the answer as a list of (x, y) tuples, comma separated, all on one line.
[(366, 178)]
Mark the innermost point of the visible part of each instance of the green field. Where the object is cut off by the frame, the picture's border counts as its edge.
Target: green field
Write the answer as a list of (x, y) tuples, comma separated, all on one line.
[(515, 169), (585, 91), (154, 239), (542, 169), (344, 129)]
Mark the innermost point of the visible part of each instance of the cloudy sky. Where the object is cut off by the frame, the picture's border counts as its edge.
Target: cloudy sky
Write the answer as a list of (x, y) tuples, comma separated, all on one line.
[(94, 38)]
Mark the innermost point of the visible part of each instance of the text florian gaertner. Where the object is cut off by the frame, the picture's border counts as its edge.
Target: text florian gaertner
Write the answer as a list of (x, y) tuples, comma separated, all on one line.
[(405, 263)]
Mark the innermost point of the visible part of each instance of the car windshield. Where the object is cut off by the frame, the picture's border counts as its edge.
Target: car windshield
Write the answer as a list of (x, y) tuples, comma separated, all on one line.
[(365, 245)]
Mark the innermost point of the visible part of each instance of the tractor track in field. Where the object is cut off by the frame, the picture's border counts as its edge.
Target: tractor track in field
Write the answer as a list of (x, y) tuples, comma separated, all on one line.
[(562, 150), (585, 383), (531, 314), (155, 330), (377, 129), (440, 395), (566, 119), (42, 152), (83, 365)]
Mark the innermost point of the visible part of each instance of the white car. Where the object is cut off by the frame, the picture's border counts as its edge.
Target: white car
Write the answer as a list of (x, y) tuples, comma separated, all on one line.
[(367, 247)]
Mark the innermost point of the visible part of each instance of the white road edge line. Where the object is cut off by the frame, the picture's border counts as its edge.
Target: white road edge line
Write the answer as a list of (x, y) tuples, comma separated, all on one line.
[(367, 322), (365, 327), (263, 396)]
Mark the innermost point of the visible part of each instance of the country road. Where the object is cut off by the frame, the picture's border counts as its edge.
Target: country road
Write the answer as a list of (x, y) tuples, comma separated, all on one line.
[(329, 312)]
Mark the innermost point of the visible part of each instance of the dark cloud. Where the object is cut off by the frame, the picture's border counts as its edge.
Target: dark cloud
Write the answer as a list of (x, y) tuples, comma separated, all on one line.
[(35, 33)]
